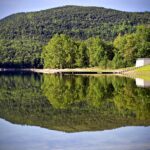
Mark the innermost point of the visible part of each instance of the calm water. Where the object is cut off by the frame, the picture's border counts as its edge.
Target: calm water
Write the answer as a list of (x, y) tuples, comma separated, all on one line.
[(51, 112)]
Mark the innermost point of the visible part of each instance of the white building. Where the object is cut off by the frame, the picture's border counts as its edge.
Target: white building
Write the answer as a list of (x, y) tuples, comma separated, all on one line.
[(142, 62)]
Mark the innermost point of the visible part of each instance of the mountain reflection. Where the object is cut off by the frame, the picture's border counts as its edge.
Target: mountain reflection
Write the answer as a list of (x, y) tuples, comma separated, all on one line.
[(73, 103)]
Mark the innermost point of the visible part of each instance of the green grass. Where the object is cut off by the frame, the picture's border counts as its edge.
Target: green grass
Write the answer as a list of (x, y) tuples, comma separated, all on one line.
[(143, 69), (142, 72), (145, 77)]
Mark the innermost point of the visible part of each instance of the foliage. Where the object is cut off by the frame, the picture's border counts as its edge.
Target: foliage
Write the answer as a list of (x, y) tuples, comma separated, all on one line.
[(132, 46), (59, 53), (81, 57), (62, 52), (20, 53)]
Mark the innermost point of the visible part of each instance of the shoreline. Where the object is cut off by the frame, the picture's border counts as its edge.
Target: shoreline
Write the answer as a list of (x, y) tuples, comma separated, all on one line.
[(84, 71), (64, 71)]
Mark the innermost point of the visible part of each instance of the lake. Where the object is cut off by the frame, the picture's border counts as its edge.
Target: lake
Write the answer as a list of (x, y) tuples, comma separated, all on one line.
[(71, 112)]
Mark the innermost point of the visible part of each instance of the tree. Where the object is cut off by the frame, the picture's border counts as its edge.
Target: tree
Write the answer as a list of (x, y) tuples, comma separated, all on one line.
[(131, 46), (143, 41), (82, 59), (59, 52), (96, 51)]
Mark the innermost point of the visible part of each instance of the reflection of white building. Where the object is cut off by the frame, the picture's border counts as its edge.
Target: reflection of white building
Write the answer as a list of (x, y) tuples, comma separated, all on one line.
[(142, 61), (142, 82)]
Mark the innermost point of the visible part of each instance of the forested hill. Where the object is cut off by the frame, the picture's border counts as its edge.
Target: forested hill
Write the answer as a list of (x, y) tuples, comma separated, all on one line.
[(75, 21), (23, 35)]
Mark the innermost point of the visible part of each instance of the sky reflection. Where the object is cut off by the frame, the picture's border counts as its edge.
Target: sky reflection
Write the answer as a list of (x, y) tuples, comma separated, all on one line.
[(16, 137)]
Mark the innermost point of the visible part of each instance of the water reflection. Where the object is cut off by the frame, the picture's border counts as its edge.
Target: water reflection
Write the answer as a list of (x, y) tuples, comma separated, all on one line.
[(73, 103), (142, 83)]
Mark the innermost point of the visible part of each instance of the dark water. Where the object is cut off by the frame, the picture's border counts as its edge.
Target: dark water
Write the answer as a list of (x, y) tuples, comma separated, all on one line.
[(51, 112)]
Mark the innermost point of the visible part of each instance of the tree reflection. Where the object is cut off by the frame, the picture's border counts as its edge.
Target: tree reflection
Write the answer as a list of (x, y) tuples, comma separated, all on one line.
[(73, 103), (103, 92)]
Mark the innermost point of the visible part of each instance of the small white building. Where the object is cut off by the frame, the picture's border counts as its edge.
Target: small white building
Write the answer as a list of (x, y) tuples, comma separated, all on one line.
[(142, 62)]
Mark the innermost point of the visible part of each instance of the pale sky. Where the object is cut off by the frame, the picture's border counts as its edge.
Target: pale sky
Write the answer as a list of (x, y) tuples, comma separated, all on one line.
[(8, 7)]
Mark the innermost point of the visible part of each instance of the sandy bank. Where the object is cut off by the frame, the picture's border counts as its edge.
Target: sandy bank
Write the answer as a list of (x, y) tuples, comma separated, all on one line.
[(53, 71)]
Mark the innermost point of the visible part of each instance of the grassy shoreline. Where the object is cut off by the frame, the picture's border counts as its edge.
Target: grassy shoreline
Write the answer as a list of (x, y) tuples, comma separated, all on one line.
[(142, 72)]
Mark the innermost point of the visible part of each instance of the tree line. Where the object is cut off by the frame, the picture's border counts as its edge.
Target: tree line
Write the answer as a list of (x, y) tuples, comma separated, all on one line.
[(65, 52)]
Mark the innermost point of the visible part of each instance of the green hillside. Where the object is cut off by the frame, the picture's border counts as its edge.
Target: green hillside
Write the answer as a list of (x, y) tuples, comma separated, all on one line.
[(23, 35), (76, 21)]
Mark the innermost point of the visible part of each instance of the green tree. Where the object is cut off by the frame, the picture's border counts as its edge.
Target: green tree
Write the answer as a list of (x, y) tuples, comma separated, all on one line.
[(82, 59), (96, 51), (59, 52), (131, 46)]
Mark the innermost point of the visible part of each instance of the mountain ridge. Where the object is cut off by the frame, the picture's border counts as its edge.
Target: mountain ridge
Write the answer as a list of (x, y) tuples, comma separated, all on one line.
[(76, 20), (65, 6)]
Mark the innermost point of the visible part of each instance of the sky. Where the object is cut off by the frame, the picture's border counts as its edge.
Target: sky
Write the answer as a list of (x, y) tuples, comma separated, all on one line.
[(8, 7)]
